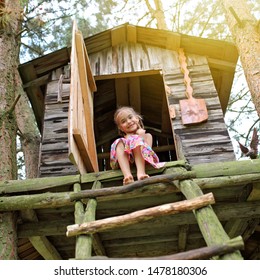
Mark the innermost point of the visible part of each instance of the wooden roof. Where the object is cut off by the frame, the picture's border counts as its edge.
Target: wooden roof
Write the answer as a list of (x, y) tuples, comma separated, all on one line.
[(222, 58)]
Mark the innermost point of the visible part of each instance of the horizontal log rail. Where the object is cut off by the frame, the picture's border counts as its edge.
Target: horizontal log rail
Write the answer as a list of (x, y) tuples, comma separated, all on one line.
[(165, 178), (140, 216), (37, 184), (52, 200), (215, 174)]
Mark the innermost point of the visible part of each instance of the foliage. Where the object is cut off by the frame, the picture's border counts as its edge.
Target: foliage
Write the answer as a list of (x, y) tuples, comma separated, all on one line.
[(47, 24)]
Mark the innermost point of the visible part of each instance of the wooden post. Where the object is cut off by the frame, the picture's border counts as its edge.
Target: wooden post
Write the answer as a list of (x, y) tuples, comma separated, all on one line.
[(84, 242)]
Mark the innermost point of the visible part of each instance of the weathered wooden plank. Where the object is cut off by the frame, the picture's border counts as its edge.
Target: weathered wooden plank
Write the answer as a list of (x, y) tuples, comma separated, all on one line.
[(53, 171), (55, 159), (196, 137), (50, 115), (57, 106), (56, 146), (84, 150), (80, 113)]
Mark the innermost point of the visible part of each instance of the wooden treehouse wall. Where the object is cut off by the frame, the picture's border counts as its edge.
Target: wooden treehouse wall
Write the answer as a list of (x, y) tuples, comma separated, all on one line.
[(54, 159), (201, 143)]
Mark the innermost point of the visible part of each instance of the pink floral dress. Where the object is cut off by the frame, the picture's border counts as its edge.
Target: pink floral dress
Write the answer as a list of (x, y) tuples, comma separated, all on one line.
[(130, 143)]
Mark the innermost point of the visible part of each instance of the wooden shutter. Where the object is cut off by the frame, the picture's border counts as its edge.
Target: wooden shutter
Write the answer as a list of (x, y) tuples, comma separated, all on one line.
[(82, 146)]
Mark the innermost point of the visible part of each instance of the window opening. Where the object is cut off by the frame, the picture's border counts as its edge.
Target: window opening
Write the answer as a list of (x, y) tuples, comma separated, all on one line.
[(106, 101)]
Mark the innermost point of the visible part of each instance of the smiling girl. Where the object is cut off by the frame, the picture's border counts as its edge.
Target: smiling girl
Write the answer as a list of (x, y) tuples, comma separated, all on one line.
[(133, 147)]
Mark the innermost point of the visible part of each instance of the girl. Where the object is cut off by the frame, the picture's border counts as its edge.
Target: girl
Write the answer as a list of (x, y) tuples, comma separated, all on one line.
[(134, 146)]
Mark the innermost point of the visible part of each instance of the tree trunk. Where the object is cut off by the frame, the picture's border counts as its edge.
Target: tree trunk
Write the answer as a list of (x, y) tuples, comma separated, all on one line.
[(157, 14), (29, 133), (245, 31), (9, 50)]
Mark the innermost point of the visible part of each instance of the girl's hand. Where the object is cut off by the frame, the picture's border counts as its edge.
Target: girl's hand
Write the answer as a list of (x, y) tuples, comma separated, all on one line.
[(140, 131)]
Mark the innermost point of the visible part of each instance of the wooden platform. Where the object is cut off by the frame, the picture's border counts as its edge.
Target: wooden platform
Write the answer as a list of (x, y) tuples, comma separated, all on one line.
[(235, 186)]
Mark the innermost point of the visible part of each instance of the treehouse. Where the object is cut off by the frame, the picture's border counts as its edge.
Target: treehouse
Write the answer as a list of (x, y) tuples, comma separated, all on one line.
[(78, 208)]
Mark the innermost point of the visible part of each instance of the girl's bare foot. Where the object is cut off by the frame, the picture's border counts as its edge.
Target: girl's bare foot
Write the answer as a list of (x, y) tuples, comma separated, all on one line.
[(128, 180), (143, 176)]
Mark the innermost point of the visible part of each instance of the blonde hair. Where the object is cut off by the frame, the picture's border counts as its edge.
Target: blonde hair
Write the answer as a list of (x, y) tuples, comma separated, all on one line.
[(123, 108)]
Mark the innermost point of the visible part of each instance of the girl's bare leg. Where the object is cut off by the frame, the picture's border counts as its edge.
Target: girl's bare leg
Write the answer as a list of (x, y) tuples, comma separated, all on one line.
[(124, 164), (140, 164)]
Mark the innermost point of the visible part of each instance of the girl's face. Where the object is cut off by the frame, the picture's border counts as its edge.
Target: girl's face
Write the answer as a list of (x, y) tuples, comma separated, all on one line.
[(127, 121)]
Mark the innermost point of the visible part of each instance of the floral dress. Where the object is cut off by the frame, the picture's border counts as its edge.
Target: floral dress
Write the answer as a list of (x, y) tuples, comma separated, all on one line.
[(130, 143)]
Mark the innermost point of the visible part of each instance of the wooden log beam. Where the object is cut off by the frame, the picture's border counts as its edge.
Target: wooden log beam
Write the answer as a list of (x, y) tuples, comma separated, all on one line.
[(229, 168), (140, 216), (165, 178), (203, 253), (37, 184), (52, 200), (35, 201), (225, 181)]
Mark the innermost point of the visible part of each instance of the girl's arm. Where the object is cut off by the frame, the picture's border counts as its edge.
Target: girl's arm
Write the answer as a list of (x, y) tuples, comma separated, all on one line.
[(148, 138), (140, 131)]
